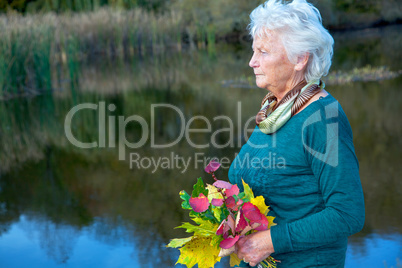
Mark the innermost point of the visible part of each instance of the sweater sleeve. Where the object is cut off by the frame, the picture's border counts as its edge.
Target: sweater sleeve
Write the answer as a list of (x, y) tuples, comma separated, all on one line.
[(343, 214)]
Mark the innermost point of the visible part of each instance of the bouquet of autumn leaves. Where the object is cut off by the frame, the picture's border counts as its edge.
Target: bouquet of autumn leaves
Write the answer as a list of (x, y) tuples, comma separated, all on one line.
[(222, 215)]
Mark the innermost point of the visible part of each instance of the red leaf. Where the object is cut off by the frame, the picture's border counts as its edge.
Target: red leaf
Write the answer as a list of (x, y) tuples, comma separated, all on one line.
[(232, 191), (221, 227), (252, 212), (247, 207), (257, 220), (241, 222), (212, 166), (232, 204), (200, 203), (229, 242), (226, 225), (217, 202), (253, 216), (222, 184), (263, 224), (225, 235)]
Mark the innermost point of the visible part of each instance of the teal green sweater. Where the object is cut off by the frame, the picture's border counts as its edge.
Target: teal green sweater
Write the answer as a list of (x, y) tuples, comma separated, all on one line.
[(308, 174)]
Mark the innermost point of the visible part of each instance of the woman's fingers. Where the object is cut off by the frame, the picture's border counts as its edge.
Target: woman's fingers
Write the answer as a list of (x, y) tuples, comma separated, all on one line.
[(253, 263), (254, 248), (242, 250), (244, 246)]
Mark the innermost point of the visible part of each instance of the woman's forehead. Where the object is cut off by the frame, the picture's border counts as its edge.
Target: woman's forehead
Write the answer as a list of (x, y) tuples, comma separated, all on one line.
[(267, 38)]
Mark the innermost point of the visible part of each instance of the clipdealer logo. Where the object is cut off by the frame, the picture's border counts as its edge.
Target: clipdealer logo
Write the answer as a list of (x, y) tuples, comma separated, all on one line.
[(329, 156), (148, 131)]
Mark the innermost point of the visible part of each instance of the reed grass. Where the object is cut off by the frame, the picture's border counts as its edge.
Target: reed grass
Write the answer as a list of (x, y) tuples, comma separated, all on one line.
[(41, 52), (38, 52)]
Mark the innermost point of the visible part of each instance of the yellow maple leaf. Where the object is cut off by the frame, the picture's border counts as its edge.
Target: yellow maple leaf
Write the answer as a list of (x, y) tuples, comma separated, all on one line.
[(199, 251), (270, 221), (234, 260)]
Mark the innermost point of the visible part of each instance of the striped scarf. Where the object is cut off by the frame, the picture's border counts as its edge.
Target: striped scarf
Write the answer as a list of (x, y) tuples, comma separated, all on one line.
[(273, 115)]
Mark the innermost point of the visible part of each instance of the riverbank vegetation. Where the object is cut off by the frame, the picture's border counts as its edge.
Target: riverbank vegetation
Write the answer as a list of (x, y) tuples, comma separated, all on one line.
[(335, 13), (44, 42)]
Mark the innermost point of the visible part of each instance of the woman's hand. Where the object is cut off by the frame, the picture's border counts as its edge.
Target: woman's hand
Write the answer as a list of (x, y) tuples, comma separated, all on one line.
[(255, 247)]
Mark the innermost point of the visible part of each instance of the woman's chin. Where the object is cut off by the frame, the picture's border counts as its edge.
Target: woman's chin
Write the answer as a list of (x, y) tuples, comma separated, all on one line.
[(260, 82), (261, 85)]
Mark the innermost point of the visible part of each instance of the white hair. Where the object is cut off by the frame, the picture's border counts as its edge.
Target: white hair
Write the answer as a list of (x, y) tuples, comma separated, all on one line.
[(299, 26)]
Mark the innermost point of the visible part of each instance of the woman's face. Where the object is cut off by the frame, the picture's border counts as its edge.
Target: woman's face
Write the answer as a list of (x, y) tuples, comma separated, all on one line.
[(271, 65)]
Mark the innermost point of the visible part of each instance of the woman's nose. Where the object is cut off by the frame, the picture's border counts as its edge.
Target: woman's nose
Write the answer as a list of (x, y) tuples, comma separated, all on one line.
[(253, 62)]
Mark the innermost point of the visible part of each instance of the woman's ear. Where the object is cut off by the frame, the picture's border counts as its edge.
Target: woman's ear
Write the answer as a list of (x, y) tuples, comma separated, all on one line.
[(302, 61)]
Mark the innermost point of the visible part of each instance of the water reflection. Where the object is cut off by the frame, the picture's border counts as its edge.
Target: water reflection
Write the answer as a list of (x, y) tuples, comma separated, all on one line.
[(376, 250), (65, 206)]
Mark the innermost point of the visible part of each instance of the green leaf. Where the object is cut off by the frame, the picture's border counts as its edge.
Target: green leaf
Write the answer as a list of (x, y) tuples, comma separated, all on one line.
[(186, 197), (247, 191), (186, 205), (241, 195), (217, 213), (236, 198), (224, 214), (199, 188), (204, 228), (192, 214), (178, 242), (207, 215), (216, 240), (246, 199)]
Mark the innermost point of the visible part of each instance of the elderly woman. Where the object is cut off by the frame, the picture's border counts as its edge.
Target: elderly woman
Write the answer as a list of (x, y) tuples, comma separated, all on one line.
[(314, 191)]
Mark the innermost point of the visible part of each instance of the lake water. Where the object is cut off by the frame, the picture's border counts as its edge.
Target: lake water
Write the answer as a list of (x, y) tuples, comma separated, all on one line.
[(115, 206)]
